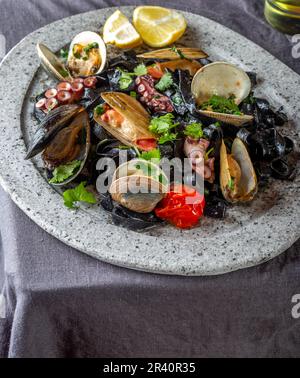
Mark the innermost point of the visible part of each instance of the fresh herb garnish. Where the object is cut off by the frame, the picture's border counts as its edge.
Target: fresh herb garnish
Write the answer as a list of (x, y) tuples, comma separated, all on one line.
[(133, 94), (163, 127), (79, 194), (194, 130), (64, 54), (64, 73), (99, 110), (63, 172), (140, 70), (90, 47), (177, 99), (231, 183), (178, 52), (208, 153), (220, 104), (165, 82), (153, 155), (125, 79)]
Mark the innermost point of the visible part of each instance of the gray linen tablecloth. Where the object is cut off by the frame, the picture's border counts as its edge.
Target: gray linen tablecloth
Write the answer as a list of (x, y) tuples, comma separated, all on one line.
[(61, 303)]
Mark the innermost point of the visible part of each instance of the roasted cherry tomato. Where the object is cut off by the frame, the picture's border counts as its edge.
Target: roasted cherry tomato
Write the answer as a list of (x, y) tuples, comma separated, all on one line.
[(183, 206), (156, 71)]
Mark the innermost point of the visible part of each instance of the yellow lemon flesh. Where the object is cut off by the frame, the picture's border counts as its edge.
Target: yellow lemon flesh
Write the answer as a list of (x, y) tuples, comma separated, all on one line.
[(120, 32), (159, 27)]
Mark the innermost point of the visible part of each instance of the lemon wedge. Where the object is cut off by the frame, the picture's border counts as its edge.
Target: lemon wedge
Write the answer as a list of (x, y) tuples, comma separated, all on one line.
[(120, 32), (159, 27)]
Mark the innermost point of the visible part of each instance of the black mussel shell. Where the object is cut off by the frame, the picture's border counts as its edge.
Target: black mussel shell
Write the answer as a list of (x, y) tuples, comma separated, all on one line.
[(270, 144), (280, 118), (134, 221), (263, 105), (247, 108), (52, 124), (107, 202), (99, 131)]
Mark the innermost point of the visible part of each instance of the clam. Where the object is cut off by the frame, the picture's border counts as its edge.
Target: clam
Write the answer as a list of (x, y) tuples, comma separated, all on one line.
[(174, 54), (224, 80), (71, 144), (139, 185), (127, 120), (87, 57), (237, 175)]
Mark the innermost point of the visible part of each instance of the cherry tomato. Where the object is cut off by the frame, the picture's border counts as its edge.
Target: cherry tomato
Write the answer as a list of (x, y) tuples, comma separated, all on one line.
[(183, 206)]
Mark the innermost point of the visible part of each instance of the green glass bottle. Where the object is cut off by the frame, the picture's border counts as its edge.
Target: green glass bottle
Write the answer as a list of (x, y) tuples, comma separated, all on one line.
[(284, 15)]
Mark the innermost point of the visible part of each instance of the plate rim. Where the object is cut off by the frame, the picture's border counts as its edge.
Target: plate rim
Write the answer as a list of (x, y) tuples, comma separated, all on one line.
[(158, 267)]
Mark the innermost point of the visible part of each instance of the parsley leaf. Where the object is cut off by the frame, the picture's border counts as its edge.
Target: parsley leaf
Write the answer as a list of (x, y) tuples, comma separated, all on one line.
[(151, 155), (133, 94), (79, 194), (163, 126), (177, 99), (140, 70), (64, 54), (231, 183), (99, 110), (165, 82), (167, 138), (178, 52), (194, 130), (63, 172), (222, 105)]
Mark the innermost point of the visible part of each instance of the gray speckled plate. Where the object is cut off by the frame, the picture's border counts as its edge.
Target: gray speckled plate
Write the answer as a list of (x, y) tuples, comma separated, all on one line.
[(249, 236)]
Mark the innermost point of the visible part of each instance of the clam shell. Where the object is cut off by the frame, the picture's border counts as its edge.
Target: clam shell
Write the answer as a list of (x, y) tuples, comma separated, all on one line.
[(222, 79), (237, 175), (170, 54), (86, 38), (137, 119), (236, 120), (133, 189), (52, 64)]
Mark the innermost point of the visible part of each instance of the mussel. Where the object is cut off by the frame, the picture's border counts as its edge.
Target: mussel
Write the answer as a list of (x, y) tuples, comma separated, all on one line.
[(87, 57), (139, 185), (174, 54), (126, 120), (224, 80), (237, 175), (71, 144), (53, 123)]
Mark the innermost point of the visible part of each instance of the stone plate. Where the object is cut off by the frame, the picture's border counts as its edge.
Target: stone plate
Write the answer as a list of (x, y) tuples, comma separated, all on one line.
[(250, 235)]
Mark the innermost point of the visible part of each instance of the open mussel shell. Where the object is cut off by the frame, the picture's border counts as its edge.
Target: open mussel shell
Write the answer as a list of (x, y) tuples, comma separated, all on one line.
[(139, 186), (133, 131), (52, 64), (96, 61), (171, 54), (232, 119), (72, 143), (222, 79), (54, 122), (237, 175)]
